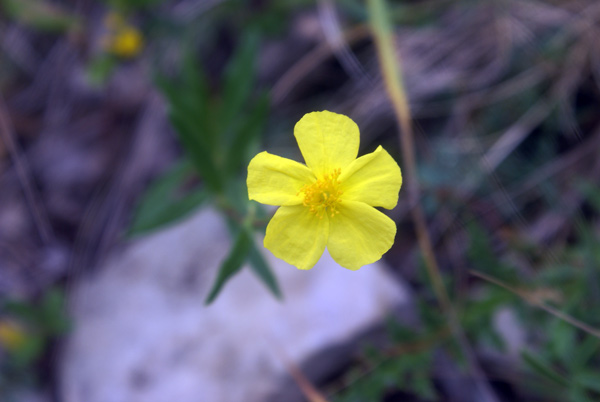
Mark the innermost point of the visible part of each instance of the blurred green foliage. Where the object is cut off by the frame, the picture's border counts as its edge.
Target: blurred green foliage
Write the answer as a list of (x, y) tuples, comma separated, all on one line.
[(567, 355), (559, 361), (131, 5), (42, 15), (406, 365), (219, 130), (564, 358), (170, 198), (33, 326), (100, 68)]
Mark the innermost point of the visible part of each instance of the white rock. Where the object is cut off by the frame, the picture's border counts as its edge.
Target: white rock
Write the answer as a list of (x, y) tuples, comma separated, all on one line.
[(511, 332), (142, 333)]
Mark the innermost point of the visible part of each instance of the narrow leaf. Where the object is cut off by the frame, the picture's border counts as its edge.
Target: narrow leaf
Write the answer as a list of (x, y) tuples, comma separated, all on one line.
[(232, 264), (590, 190), (42, 15), (53, 319), (261, 268), (189, 112), (188, 97), (585, 351), (197, 98), (99, 69), (197, 150), (578, 394), (132, 4), (160, 204), (239, 78), (590, 380), (544, 369), (246, 134)]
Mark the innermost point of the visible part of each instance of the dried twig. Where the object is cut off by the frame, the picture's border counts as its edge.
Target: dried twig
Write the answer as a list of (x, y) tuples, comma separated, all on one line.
[(39, 215), (294, 75), (538, 303), (335, 37), (309, 391)]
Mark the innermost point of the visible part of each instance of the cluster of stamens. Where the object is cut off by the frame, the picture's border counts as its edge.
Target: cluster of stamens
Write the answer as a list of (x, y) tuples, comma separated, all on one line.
[(323, 196)]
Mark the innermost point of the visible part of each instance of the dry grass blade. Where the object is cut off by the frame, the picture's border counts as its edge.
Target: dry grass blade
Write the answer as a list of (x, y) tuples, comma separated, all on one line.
[(395, 351), (392, 74), (515, 135), (538, 303), (309, 391), (560, 165), (335, 37), (39, 215), (294, 75)]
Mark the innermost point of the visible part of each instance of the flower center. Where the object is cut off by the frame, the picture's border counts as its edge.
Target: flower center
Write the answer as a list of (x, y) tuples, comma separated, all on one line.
[(323, 196)]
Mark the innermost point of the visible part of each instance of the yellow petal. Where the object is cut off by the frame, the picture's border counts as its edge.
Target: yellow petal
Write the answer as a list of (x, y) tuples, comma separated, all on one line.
[(374, 179), (274, 180), (297, 236), (359, 235), (327, 141)]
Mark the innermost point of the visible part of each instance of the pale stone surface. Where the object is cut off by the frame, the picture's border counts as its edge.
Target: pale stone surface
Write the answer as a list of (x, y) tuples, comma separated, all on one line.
[(142, 334), (506, 324)]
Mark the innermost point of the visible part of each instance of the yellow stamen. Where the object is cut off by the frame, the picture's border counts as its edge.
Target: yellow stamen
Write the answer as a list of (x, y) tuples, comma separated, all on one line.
[(323, 196)]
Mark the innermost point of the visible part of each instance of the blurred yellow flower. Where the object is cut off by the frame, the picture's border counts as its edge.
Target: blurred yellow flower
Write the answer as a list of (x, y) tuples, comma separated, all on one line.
[(12, 335), (329, 202), (122, 39)]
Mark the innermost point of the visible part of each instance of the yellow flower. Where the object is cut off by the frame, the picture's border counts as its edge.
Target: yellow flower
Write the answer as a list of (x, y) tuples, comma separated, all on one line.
[(329, 202), (12, 336), (121, 39)]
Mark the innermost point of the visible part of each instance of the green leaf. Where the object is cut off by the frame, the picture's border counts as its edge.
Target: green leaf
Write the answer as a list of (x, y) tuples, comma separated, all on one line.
[(128, 5), (578, 394), (591, 191), (585, 351), (261, 268), (29, 351), (188, 95), (589, 379), (99, 69), (53, 320), (25, 311), (481, 252), (197, 149), (190, 114), (239, 78), (563, 336), (237, 155), (197, 98), (41, 15), (544, 369), (236, 194), (160, 204), (423, 386), (232, 264)]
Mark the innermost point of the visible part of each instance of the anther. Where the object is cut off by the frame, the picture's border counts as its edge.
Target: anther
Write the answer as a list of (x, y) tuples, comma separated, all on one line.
[(323, 196)]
